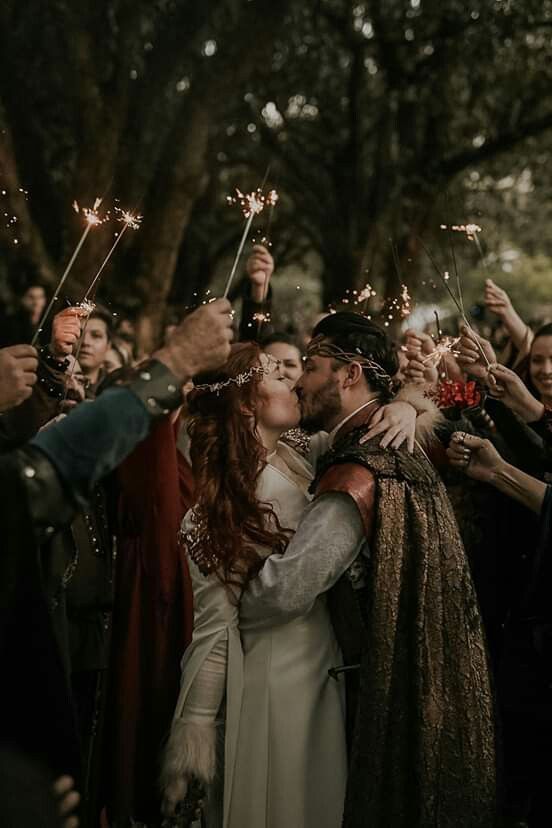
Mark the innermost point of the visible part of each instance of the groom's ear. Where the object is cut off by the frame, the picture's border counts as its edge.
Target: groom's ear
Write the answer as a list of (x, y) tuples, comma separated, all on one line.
[(353, 374)]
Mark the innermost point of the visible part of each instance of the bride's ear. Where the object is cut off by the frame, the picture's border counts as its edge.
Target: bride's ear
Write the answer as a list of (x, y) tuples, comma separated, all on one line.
[(247, 410)]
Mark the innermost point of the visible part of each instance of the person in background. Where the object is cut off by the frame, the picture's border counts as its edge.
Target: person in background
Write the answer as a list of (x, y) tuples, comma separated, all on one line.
[(96, 343), (20, 326), (516, 344), (32, 381), (284, 348), (116, 357), (527, 706), (43, 485)]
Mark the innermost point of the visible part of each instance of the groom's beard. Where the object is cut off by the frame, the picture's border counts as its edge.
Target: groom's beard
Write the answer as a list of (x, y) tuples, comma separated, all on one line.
[(320, 409)]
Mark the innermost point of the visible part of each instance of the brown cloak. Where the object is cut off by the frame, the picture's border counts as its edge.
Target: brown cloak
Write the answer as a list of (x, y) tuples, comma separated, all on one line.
[(423, 746)]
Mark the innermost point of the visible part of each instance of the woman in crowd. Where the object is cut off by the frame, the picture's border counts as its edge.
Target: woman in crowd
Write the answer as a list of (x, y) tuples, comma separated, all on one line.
[(527, 706)]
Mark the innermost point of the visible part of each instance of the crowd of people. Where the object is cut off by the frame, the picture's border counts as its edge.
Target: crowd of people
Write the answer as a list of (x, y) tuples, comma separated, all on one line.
[(247, 582)]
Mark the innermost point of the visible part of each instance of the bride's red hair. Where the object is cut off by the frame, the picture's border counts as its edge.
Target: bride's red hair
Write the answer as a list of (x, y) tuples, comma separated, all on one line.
[(227, 459)]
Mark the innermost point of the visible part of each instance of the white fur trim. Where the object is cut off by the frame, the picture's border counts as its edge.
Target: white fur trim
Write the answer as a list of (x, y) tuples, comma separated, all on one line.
[(190, 751), (429, 416)]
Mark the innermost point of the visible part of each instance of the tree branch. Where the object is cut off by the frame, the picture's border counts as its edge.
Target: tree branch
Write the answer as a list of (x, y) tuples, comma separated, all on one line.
[(456, 163)]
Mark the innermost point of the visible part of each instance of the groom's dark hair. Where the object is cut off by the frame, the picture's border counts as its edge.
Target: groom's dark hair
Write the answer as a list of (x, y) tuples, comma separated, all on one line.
[(353, 333)]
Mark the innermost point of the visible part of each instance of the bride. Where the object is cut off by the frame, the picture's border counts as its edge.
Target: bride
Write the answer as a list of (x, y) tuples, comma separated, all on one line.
[(258, 720)]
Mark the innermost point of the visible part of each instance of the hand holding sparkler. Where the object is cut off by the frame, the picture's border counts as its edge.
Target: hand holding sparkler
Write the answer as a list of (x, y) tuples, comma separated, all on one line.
[(497, 300), (475, 354), (92, 220), (417, 343), (421, 372), (475, 457), (510, 389), (66, 331), (251, 205), (259, 268)]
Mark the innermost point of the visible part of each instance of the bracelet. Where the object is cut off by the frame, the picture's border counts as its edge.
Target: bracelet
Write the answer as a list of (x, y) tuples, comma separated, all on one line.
[(55, 364), (157, 388)]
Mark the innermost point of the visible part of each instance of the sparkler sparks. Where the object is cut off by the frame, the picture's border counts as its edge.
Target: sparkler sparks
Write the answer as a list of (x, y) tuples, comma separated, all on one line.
[(92, 220), (261, 318), (251, 204), (12, 220), (366, 293), (128, 220), (471, 230), (87, 306), (445, 346)]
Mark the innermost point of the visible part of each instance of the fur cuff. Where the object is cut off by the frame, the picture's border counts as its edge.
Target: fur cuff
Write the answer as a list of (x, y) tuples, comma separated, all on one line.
[(429, 416), (190, 751)]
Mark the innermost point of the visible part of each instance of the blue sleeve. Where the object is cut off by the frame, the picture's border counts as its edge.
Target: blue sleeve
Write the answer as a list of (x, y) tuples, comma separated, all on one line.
[(94, 439)]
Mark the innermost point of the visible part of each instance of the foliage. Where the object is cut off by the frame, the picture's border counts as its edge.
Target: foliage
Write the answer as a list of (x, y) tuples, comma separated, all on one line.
[(377, 119)]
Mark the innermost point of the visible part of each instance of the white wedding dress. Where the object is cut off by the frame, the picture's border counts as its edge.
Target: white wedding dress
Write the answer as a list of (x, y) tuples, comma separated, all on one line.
[(282, 761)]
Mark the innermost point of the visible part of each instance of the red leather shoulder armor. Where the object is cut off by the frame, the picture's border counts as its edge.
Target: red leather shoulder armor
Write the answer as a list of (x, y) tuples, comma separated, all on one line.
[(356, 481)]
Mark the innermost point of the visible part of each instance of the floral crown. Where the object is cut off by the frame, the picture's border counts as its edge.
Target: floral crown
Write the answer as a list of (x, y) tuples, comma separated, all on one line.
[(240, 379), (320, 346)]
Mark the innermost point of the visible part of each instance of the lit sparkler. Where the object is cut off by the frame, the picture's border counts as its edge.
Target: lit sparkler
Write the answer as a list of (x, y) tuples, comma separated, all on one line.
[(128, 220), (86, 306), (450, 292), (251, 204), (471, 230), (446, 345), (92, 220)]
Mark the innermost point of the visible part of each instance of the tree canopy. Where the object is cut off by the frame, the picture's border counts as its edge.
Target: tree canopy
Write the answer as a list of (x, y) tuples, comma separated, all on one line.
[(376, 120)]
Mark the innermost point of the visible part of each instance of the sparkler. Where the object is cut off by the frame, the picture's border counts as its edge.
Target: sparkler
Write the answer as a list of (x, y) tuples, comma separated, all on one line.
[(92, 220), (86, 304), (444, 279), (472, 232), (251, 204), (128, 220), (445, 345), (262, 316), (402, 304)]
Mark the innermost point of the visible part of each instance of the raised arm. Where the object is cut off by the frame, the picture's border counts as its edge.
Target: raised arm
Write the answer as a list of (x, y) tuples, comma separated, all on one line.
[(329, 538), (480, 460)]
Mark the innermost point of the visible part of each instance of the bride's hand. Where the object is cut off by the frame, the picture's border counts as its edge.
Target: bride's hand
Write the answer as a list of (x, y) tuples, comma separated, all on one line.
[(174, 793), (397, 422)]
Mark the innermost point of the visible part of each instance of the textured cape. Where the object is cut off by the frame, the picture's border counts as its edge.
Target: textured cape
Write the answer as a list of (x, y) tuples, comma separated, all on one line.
[(423, 745)]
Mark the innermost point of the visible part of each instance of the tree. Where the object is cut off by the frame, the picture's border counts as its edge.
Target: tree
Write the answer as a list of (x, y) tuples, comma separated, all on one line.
[(118, 98), (368, 114), (373, 110)]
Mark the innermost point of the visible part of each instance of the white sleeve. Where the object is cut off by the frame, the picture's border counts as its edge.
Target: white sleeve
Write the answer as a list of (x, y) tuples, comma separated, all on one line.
[(328, 540), (191, 749)]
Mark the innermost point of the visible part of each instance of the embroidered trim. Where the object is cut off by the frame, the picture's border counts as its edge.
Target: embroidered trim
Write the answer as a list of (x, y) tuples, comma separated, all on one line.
[(194, 540)]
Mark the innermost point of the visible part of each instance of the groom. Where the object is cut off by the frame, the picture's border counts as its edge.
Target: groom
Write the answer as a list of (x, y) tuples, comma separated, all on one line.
[(380, 537)]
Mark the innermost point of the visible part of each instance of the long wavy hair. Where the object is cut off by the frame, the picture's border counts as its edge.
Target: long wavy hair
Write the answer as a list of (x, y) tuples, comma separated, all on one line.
[(227, 459)]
